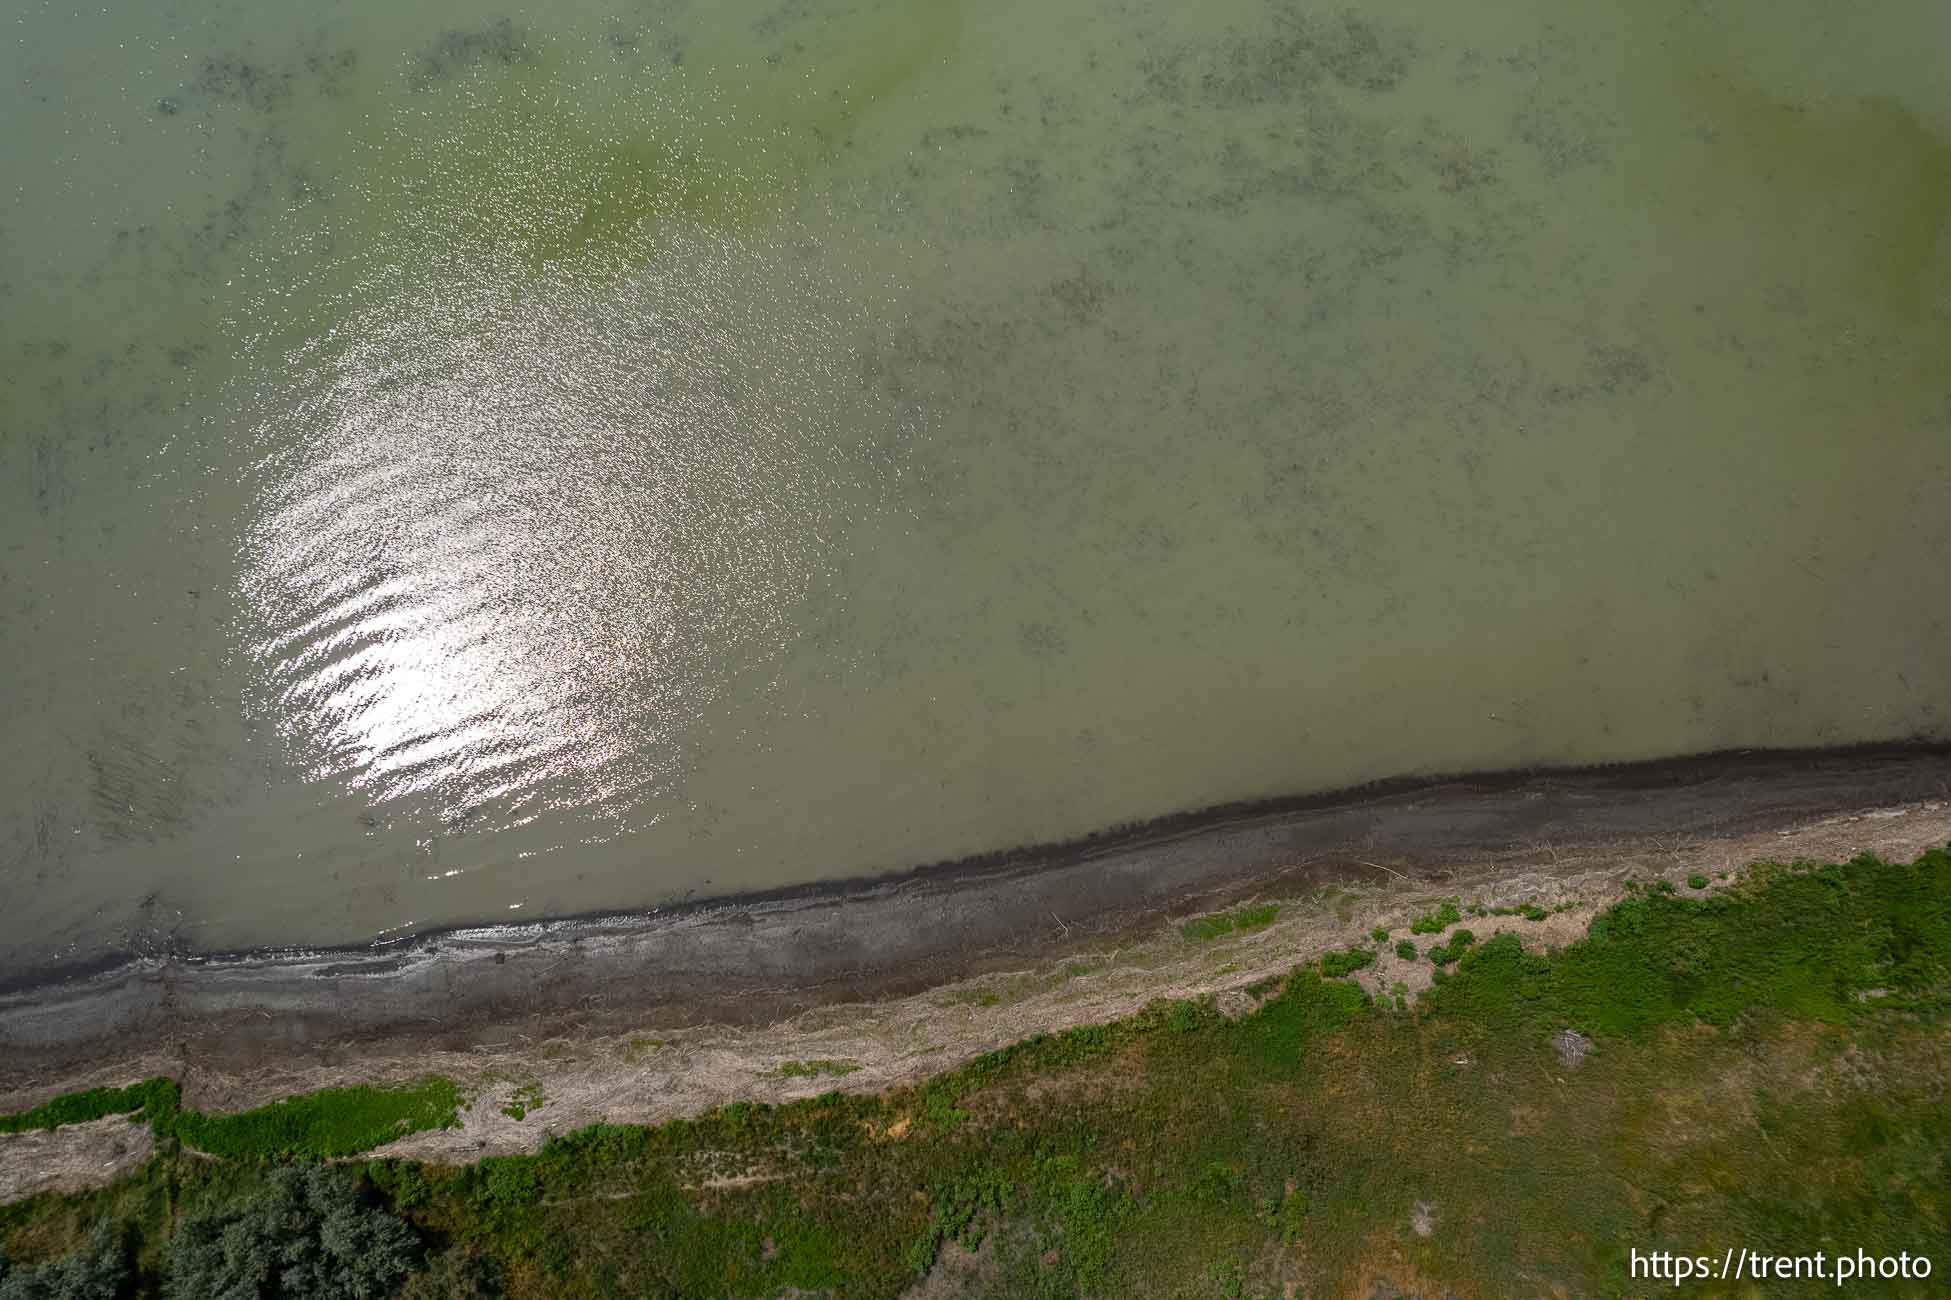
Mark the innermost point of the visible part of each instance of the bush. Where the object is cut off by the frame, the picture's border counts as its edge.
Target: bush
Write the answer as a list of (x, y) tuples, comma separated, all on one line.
[(324, 1124), (309, 1235), (1244, 918), (1380, 934), (1441, 919), (1696, 881), (960, 1207), (152, 1097), (1345, 962), (98, 1271), (457, 1275), (1405, 950)]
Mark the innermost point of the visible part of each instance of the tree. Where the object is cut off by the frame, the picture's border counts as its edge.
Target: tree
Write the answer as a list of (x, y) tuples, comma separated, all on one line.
[(311, 1234), (98, 1271)]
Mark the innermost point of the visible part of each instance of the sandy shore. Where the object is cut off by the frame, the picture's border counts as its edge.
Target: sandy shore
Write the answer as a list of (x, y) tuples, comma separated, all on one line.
[(644, 1019), (756, 960)]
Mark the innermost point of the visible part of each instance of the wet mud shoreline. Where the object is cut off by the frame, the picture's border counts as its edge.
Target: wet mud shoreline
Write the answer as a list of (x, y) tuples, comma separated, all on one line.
[(756, 959)]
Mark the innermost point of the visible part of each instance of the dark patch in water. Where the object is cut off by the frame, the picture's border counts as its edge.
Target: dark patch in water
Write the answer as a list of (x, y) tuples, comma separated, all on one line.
[(234, 79), (453, 52)]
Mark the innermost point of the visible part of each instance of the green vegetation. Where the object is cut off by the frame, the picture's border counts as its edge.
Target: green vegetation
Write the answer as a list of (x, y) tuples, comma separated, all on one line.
[(310, 1234), (1405, 950), (326, 1124), (1744, 1093), (153, 1097), (1345, 962), (329, 1123), (1007, 990), (1380, 934), (1444, 954), (1438, 920), (528, 1096), (100, 1270), (1696, 881), (1240, 918)]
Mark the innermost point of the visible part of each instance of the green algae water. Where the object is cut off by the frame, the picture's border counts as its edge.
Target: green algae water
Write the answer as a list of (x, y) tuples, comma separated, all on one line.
[(462, 464)]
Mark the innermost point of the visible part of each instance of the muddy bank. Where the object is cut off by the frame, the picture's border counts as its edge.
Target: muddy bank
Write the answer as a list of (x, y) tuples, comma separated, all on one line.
[(757, 960), (542, 1073)]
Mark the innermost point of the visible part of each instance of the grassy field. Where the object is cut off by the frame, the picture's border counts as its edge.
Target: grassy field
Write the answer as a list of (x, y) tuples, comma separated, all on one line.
[(1762, 1067)]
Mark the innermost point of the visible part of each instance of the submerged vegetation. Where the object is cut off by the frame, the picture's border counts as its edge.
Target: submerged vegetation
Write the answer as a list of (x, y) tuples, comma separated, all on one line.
[(1760, 1067)]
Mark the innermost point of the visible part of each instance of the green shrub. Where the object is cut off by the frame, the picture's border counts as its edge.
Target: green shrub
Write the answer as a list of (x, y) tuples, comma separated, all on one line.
[(1800, 942), (1441, 919), (1346, 962), (403, 1182), (959, 1208), (1091, 1215), (527, 1097), (309, 1235), (1696, 881), (458, 1275), (1380, 934), (1448, 953), (98, 1271), (1276, 1036), (1405, 950), (1242, 918), (1287, 1216), (1185, 1015), (500, 1188), (152, 1097), (324, 1124)]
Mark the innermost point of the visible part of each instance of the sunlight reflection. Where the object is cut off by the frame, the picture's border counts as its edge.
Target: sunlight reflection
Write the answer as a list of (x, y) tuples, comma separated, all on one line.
[(526, 535)]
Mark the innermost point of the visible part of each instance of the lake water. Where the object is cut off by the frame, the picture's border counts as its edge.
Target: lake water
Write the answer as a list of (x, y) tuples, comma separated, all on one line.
[(466, 464)]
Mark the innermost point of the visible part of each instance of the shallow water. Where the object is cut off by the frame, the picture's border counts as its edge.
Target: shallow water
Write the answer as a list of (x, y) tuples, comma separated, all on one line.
[(463, 464)]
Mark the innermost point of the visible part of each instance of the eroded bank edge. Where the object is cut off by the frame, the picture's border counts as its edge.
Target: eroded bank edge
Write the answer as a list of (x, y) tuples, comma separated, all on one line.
[(1864, 942), (760, 961), (560, 1084)]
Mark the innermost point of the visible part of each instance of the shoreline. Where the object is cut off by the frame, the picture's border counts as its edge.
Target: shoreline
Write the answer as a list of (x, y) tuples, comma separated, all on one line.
[(761, 959), (522, 1091)]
